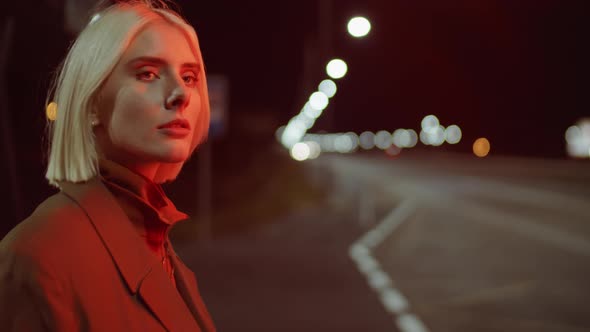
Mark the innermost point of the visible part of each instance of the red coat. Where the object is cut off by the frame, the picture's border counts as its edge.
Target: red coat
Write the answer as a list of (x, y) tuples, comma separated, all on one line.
[(77, 264)]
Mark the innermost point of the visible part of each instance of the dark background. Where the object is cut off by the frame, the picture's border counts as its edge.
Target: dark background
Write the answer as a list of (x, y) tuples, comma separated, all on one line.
[(513, 71)]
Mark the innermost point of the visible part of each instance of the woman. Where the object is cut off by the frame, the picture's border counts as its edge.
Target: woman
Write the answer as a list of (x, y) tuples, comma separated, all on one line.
[(132, 105)]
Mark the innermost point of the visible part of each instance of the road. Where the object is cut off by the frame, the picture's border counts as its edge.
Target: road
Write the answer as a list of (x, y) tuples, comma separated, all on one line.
[(422, 242)]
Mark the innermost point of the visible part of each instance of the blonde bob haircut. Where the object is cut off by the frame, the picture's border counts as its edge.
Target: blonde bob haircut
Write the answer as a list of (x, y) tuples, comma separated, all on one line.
[(73, 156)]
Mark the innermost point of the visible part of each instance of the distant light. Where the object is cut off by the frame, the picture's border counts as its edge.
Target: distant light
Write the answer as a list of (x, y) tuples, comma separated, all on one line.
[(306, 120), (367, 140), (436, 135), (453, 134), (336, 68), (310, 111), (279, 132), (328, 87), (397, 137), (578, 139), (328, 143), (318, 100), (300, 151), (354, 139), (343, 144), (413, 138), (51, 111), (481, 147), (430, 122), (359, 26), (314, 149), (383, 139), (405, 139), (424, 137), (572, 134)]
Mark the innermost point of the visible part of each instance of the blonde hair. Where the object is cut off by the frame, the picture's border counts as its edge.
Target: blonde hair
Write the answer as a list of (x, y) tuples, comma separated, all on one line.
[(92, 57)]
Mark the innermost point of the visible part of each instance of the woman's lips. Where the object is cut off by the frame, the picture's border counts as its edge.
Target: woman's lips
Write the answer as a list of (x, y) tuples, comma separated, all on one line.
[(175, 132)]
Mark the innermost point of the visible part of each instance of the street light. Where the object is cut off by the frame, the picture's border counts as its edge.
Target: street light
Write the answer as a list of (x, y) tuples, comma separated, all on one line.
[(359, 26), (336, 68)]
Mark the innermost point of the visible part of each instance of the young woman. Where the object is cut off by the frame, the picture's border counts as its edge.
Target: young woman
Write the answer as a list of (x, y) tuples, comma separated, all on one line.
[(132, 106)]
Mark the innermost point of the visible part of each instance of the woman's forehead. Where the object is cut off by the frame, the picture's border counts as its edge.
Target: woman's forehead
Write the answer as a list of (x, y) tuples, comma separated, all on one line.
[(161, 39)]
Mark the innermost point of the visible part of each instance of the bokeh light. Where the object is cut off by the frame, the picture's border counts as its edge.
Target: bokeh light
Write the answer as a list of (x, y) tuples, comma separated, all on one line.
[(300, 151), (328, 87), (318, 100), (430, 122), (453, 134), (359, 26), (336, 68), (383, 139), (51, 111), (367, 140), (481, 147)]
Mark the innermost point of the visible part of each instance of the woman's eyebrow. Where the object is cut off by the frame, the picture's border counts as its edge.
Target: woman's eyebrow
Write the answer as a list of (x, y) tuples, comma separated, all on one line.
[(160, 62)]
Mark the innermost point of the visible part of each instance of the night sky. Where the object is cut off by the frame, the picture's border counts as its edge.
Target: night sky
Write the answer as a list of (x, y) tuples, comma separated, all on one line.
[(513, 71)]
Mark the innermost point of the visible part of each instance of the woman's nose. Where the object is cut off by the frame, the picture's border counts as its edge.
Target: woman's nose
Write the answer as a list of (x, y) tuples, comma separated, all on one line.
[(177, 99)]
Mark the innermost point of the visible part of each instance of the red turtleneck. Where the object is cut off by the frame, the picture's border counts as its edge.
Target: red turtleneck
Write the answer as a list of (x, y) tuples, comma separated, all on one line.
[(146, 205)]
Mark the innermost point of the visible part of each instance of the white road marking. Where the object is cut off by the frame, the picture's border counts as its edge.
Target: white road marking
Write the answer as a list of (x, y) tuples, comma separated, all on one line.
[(361, 253), (410, 323)]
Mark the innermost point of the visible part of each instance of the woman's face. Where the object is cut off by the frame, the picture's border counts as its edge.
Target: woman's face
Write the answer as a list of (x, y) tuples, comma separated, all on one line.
[(149, 105)]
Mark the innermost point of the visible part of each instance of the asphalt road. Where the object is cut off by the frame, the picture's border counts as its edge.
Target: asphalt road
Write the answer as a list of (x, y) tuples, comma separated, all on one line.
[(422, 242)]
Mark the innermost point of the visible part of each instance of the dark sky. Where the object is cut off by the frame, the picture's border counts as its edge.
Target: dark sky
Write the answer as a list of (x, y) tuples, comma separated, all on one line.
[(513, 71)]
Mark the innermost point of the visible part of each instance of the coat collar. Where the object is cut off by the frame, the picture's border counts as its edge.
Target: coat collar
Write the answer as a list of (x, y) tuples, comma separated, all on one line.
[(142, 273)]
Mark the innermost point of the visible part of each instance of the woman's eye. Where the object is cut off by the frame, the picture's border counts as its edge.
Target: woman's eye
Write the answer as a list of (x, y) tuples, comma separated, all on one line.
[(190, 79), (147, 76)]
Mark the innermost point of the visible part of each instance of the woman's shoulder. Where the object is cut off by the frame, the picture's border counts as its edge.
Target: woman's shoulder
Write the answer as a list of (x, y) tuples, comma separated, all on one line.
[(54, 226)]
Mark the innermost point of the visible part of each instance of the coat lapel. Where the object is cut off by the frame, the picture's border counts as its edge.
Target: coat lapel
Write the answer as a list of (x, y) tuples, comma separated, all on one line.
[(187, 286), (142, 273)]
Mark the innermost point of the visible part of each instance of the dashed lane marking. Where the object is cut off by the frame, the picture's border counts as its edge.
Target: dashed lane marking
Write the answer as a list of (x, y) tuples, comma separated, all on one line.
[(361, 253)]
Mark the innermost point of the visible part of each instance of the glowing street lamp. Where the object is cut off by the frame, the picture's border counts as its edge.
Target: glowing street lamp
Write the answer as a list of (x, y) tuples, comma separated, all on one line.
[(359, 26), (336, 68)]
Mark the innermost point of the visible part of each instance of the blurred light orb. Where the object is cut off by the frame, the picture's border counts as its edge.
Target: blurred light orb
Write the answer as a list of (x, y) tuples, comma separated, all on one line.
[(578, 139), (343, 144), (305, 120), (413, 138), (328, 143), (383, 139), (573, 134), (397, 137), (336, 68), (279, 132), (424, 137), (314, 149), (358, 26), (354, 138), (405, 139), (328, 87), (453, 134), (367, 140), (310, 111), (318, 100), (481, 147), (430, 122), (300, 151), (51, 111), (436, 135)]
